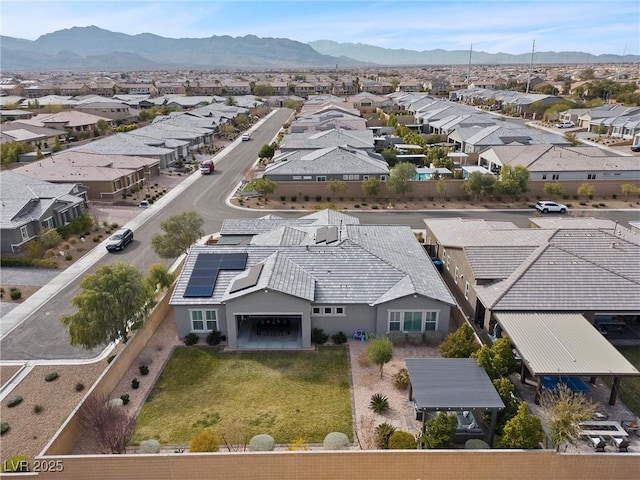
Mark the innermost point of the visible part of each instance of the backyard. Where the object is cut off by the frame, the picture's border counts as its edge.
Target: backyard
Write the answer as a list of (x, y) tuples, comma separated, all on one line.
[(288, 395), (630, 387)]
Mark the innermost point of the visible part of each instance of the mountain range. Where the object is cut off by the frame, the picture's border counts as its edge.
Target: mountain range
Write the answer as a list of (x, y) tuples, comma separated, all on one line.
[(93, 48)]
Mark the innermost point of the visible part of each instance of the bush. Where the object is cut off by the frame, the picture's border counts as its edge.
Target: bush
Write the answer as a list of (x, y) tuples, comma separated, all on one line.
[(68, 257), (145, 357), (401, 379), (379, 403), (318, 198), (476, 444), (4, 427), (382, 434), (205, 441), (79, 387), (401, 440), (262, 443), (335, 441), (214, 338), (149, 446), (16, 295), (50, 377), (339, 338), (318, 336), (116, 402), (14, 401), (37, 408), (294, 198), (135, 383), (191, 339), (144, 370), (125, 398), (15, 464), (306, 198)]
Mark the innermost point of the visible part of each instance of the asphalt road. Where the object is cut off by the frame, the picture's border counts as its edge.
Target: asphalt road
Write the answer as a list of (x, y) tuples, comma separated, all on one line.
[(42, 337)]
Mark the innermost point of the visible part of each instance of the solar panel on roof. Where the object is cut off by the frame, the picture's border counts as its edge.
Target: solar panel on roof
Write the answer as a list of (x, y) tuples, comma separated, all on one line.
[(249, 281), (206, 269), (198, 291)]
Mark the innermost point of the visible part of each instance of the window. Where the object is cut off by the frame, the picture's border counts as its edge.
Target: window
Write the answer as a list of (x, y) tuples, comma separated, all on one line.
[(555, 176), (383, 178), (321, 178), (328, 311), (448, 262), (365, 177), (466, 290), (457, 274), (204, 320), (591, 176), (413, 320), (24, 232), (47, 223), (544, 176)]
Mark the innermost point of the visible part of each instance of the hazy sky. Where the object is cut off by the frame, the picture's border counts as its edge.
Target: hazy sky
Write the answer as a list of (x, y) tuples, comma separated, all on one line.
[(602, 26)]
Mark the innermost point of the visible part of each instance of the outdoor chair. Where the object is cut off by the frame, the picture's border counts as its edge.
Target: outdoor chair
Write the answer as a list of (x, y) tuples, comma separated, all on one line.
[(597, 443), (631, 426), (620, 443)]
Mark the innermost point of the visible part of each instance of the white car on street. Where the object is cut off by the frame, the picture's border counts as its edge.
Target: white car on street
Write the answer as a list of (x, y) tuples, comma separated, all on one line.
[(565, 125), (548, 207)]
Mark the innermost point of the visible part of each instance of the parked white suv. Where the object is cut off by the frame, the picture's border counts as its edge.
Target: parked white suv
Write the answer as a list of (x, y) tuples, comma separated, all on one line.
[(547, 207), (246, 137), (565, 125)]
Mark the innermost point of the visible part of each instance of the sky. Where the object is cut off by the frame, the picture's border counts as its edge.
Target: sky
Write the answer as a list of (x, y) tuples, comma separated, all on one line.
[(509, 26)]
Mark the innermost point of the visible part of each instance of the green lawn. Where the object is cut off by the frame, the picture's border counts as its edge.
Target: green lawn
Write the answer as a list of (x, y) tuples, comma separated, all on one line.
[(287, 395), (630, 387)]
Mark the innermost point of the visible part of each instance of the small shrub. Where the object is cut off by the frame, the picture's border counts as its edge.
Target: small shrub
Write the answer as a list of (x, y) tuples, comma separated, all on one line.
[(125, 398), (262, 443), (401, 379), (149, 446), (68, 257), (339, 338), (214, 338), (595, 205), (16, 295), (73, 241), (191, 339), (318, 336), (294, 198), (374, 207), (318, 198), (145, 357), (96, 239), (135, 383), (110, 358), (382, 434), (282, 198), (476, 444), (50, 377), (306, 198), (602, 205), (37, 408), (114, 226), (116, 402), (14, 401), (401, 440), (15, 464), (335, 441), (4, 428), (79, 387), (204, 441), (144, 370), (379, 403), (364, 360)]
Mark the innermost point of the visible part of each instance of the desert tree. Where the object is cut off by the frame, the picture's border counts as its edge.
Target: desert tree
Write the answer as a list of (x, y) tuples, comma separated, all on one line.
[(371, 187), (180, 232), (441, 188), (479, 184), (159, 277), (586, 190), (112, 301), (401, 179), (380, 351), (629, 188), (523, 430), (106, 423), (335, 187), (264, 187), (553, 190), (514, 180)]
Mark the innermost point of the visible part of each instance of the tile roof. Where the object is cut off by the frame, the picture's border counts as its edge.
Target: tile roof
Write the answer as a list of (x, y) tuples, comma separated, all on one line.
[(327, 161)]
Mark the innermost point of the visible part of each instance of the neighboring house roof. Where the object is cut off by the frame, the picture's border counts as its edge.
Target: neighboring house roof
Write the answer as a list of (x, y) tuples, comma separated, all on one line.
[(496, 262), (70, 119), (327, 161), (362, 139), (25, 199), (123, 144), (563, 344), (22, 135), (271, 223)]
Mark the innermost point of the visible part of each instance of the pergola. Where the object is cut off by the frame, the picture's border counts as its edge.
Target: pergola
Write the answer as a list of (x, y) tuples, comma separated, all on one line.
[(452, 384), (563, 344)]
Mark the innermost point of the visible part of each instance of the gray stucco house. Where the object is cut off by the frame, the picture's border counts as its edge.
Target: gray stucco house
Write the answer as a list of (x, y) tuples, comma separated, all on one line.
[(321, 271), (29, 204)]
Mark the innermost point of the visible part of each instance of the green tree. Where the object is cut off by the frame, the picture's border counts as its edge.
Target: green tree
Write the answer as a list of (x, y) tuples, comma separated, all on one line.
[(497, 360), (513, 181), (441, 188), (506, 390), (628, 188), (159, 277), (553, 190), (102, 125), (571, 138), (380, 351), (11, 151), (371, 187), (390, 156), (56, 144), (440, 431), (563, 410), (336, 187), (400, 440), (459, 344), (401, 179), (230, 102), (264, 186), (523, 430), (267, 151), (586, 190), (479, 184), (112, 301), (180, 232)]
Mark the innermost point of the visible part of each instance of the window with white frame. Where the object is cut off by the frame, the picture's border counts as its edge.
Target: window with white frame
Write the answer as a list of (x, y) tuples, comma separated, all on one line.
[(24, 232), (47, 223), (412, 320), (457, 275), (326, 311), (203, 320), (466, 290), (383, 178)]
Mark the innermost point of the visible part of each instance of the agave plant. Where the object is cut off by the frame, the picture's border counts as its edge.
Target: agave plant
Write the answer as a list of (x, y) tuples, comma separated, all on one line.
[(379, 403)]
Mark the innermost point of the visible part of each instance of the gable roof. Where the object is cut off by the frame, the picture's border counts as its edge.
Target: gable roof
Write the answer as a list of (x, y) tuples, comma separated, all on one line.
[(327, 161)]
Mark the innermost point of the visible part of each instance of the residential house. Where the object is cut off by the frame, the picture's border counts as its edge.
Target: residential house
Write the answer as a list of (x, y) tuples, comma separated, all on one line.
[(68, 121), (475, 139), (335, 163), (360, 139), (124, 144), (29, 204), (111, 110), (321, 271), (39, 137)]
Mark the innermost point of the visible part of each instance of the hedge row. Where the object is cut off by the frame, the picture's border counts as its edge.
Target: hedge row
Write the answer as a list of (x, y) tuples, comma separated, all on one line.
[(28, 262)]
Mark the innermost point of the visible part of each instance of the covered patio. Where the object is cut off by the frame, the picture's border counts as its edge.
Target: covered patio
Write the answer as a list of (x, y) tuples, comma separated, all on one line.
[(452, 385), (563, 345)]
